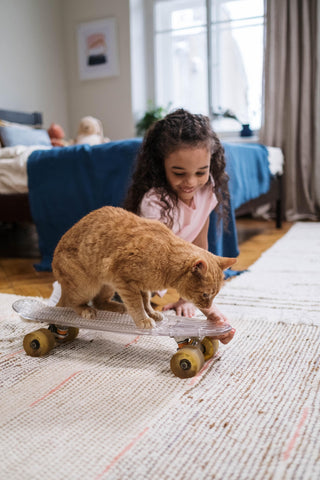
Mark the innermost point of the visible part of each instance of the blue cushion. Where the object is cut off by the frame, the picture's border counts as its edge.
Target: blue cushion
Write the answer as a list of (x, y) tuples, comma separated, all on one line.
[(11, 136)]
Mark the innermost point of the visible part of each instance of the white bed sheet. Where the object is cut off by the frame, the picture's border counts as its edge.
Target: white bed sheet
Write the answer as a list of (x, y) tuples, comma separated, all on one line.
[(13, 168)]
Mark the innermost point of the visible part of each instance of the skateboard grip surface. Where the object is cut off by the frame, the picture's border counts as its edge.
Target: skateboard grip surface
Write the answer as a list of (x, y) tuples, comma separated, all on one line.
[(171, 325)]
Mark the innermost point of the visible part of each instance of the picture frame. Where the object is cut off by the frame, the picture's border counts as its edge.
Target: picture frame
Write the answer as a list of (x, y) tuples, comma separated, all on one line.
[(98, 49)]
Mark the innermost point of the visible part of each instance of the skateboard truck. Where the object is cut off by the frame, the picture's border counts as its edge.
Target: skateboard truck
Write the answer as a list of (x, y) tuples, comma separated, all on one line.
[(60, 332)]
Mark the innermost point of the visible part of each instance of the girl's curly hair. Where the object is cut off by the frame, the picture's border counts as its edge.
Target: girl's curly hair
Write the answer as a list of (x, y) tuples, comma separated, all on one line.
[(179, 129)]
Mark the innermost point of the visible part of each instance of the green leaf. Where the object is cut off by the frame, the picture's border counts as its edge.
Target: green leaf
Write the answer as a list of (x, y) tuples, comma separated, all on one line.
[(153, 114)]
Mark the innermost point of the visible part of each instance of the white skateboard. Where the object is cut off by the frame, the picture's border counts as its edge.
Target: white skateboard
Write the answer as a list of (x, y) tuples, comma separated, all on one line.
[(192, 334)]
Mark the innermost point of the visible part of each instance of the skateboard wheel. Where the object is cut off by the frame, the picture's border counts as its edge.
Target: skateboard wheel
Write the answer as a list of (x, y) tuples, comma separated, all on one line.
[(72, 334), (187, 362), (210, 347), (38, 343)]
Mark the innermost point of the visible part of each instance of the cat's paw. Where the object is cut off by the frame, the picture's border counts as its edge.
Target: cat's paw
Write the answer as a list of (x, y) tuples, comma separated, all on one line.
[(146, 322), (88, 312), (157, 316)]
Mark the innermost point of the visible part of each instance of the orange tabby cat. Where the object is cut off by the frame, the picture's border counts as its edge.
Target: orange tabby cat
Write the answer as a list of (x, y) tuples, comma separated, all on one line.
[(111, 250)]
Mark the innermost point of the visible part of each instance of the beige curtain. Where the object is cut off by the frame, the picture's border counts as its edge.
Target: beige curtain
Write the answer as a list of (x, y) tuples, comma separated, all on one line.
[(291, 100)]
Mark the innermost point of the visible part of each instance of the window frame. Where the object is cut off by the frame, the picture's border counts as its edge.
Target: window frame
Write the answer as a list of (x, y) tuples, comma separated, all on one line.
[(150, 55)]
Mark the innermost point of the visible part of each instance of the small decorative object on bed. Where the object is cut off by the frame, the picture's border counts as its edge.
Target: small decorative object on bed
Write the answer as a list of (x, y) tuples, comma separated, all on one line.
[(57, 135), (90, 131)]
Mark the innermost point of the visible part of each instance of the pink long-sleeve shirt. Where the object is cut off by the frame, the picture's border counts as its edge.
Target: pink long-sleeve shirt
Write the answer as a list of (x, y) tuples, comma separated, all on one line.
[(188, 221)]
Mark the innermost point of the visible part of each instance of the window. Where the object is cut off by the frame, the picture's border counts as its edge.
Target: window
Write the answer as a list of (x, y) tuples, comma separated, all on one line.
[(208, 58), (180, 45)]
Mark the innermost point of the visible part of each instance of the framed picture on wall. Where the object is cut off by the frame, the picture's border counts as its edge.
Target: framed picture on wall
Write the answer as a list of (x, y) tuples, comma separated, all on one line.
[(98, 49)]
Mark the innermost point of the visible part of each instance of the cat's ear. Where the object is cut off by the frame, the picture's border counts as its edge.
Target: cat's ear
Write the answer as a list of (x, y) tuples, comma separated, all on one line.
[(199, 266), (226, 262)]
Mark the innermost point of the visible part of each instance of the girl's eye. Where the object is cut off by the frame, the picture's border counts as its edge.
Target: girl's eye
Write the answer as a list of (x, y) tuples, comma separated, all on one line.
[(198, 174)]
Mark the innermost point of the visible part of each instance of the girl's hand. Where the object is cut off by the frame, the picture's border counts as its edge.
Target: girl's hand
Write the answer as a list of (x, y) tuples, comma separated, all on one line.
[(226, 337), (218, 318), (182, 308), (187, 309)]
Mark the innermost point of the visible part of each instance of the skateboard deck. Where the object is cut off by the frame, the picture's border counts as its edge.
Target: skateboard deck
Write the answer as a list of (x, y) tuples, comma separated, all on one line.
[(171, 325), (191, 334)]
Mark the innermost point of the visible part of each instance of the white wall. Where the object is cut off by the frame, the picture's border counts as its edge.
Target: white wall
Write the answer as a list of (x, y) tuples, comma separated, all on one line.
[(32, 66), (39, 64)]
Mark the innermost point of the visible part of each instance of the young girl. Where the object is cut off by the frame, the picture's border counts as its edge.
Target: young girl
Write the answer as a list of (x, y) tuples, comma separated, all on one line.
[(179, 179)]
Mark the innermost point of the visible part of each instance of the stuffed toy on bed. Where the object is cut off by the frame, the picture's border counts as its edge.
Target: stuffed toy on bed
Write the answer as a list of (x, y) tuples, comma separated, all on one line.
[(90, 131), (56, 134)]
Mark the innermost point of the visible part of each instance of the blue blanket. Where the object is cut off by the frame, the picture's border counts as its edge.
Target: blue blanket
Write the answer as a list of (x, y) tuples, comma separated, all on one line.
[(67, 183), (248, 168)]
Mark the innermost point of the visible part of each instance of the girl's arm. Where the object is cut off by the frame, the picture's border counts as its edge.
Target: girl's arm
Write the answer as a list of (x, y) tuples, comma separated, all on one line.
[(182, 307), (202, 239)]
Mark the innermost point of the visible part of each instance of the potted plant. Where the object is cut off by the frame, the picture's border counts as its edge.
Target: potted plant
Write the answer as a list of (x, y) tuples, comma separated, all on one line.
[(151, 115), (245, 131)]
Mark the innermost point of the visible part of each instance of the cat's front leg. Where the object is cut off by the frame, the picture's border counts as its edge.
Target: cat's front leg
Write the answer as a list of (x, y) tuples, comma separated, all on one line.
[(133, 300), (103, 301), (146, 297), (77, 303)]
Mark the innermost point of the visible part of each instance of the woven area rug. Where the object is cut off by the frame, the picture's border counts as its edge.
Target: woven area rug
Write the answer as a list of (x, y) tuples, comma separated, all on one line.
[(107, 406)]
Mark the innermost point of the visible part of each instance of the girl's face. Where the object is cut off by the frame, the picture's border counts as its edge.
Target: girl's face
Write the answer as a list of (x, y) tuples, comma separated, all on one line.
[(187, 170)]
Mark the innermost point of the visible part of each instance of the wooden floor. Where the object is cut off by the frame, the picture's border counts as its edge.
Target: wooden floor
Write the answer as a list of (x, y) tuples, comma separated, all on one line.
[(18, 276)]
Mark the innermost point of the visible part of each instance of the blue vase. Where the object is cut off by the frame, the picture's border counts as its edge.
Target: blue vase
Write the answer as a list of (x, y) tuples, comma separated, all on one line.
[(246, 131)]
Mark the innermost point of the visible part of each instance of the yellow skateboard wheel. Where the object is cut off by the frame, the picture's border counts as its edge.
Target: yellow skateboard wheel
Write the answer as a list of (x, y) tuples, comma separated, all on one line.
[(210, 347), (187, 362), (38, 343), (72, 333)]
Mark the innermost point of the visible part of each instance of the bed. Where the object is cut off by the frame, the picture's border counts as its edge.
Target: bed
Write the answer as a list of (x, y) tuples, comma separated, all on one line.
[(272, 200), (58, 186), (14, 198)]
